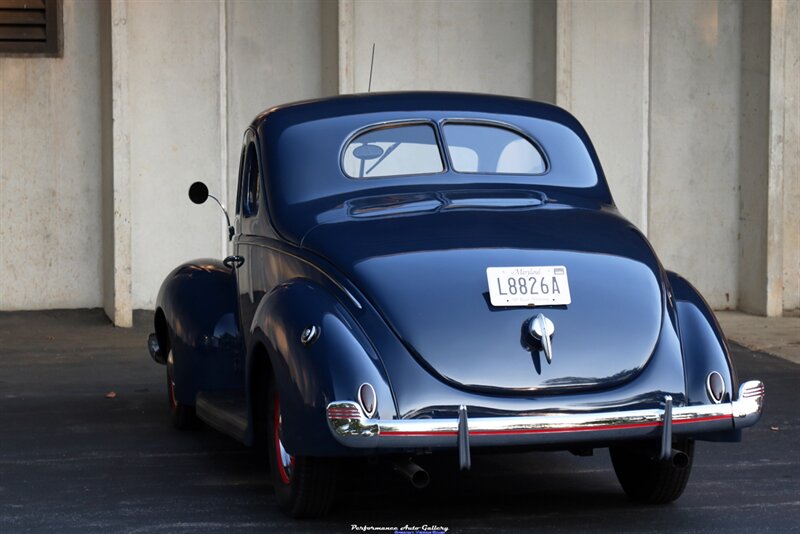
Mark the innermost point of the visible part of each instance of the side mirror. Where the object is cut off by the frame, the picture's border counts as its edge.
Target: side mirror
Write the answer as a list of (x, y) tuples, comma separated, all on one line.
[(198, 192)]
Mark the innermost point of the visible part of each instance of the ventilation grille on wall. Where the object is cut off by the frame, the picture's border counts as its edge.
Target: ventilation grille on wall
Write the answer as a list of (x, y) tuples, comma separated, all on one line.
[(30, 27)]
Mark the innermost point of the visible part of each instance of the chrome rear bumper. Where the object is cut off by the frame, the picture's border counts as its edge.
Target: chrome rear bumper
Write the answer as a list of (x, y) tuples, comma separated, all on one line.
[(351, 428)]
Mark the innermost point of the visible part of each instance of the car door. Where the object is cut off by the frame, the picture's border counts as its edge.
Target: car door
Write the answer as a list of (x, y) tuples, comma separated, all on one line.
[(248, 200)]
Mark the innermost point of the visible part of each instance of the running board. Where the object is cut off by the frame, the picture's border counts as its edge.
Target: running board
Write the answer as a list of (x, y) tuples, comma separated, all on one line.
[(224, 411)]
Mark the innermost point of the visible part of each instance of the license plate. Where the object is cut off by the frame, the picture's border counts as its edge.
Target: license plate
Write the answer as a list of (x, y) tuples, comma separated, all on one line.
[(528, 286)]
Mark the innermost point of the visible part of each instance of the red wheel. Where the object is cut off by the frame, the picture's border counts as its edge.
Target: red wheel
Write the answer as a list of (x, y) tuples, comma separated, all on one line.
[(183, 416), (285, 461), (304, 486)]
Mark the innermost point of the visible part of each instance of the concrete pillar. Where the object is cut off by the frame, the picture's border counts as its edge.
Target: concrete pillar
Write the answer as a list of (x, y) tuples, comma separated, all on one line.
[(769, 273), (544, 50), (329, 40), (118, 297), (564, 54), (346, 44), (777, 110), (791, 160), (753, 155)]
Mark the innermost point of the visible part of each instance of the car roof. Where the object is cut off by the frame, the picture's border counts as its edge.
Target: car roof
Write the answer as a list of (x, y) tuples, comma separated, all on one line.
[(301, 146), (399, 101)]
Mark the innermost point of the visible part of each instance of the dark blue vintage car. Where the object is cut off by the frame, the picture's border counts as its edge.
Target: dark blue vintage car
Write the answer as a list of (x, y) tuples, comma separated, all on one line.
[(415, 272)]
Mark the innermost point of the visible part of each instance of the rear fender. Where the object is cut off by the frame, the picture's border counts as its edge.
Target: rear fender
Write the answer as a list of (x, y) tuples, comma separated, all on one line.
[(198, 308), (702, 342), (309, 376)]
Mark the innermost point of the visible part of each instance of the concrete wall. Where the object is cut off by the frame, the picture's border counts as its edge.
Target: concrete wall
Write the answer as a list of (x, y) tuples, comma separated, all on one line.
[(275, 55), (656, 84), (51, 171), (603, 81), (178, 121), (687, 102), (692, 106), (455, 45), (694, 143), (174, 137)]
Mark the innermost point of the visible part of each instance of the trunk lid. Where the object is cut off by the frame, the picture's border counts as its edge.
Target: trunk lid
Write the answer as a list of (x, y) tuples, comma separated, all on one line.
[(422, 262)]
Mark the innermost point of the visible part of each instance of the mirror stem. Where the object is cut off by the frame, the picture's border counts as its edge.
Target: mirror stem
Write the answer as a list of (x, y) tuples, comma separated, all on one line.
[(228, 219)]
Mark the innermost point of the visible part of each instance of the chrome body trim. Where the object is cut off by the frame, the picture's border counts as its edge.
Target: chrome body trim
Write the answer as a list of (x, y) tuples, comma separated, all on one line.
[(352, 428), (309, 335), (748, 407)]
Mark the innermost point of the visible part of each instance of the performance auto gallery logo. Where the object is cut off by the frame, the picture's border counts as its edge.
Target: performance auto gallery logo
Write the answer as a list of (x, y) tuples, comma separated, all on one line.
[(405, 529)]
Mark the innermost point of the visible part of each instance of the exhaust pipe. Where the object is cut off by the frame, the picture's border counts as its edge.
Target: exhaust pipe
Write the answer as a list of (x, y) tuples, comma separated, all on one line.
[(418, 477), (675, 457), (679, 459)]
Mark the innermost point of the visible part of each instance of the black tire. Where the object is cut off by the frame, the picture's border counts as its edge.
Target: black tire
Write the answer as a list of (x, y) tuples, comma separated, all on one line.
[(306, 487), (183, 416), (650, 481)]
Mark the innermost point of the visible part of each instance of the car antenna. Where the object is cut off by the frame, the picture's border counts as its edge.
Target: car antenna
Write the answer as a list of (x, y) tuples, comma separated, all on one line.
[(371, 64)]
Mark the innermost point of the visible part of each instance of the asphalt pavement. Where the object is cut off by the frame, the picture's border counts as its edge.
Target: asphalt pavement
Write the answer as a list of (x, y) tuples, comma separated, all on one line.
[(74, 460)]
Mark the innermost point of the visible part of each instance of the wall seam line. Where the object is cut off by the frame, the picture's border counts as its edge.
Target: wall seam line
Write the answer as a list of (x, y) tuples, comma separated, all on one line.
[(346, 29), (777, 108), (564, 54), (646, 75), (121, 167), (223, 122)]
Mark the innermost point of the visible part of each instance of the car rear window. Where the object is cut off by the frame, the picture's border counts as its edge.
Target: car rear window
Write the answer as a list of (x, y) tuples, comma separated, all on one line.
[(478, 148), (399, 150)]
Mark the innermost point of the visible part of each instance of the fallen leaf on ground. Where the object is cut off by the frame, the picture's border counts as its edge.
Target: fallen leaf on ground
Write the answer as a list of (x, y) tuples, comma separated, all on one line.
[(774, 428), (111, 395)]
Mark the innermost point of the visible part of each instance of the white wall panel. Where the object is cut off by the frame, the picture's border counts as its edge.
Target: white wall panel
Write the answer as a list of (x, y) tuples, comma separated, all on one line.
[(173, 55), (694, 142), (607, 90), (451, 45), (50, 172), (274, 54)]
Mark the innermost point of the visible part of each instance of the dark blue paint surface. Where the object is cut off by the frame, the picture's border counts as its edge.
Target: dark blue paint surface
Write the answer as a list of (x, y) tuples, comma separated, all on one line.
[(301, 149), (426, 274), (393, 271), (198, 303)]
